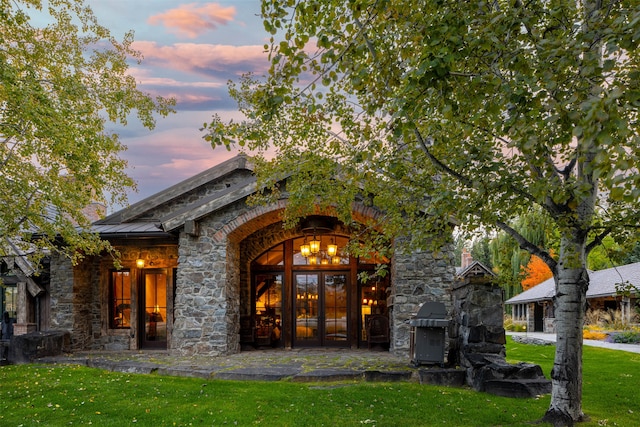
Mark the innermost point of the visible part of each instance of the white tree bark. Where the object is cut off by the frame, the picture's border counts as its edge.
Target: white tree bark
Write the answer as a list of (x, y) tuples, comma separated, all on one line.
[(572, 281)]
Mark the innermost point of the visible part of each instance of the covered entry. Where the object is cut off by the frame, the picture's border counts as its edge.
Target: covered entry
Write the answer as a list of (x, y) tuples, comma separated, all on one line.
[(306, 292), (321, 309)]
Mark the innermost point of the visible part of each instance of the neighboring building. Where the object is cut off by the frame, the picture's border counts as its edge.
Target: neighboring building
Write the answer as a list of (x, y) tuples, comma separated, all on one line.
[(204, 273), (535, 305)]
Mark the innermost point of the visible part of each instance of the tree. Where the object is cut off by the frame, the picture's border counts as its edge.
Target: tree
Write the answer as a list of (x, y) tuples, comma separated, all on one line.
[(537, 271), (481, 111), (59, 85), (481, 251)]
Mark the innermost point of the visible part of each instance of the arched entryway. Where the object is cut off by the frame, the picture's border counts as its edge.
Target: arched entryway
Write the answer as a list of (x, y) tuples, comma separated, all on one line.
[(311, 297)]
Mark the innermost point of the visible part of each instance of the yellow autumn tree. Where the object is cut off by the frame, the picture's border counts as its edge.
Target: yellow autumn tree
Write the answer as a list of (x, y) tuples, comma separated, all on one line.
[(537, 271)]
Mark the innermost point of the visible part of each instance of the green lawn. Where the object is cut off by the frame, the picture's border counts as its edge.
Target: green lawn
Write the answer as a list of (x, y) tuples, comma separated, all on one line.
[(54, 395)]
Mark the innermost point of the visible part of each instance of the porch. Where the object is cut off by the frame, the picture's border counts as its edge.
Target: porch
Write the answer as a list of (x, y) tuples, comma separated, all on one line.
[(299, 365)]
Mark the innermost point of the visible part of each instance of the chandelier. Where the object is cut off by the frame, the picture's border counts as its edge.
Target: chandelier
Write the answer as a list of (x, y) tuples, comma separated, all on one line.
[(314, 254)]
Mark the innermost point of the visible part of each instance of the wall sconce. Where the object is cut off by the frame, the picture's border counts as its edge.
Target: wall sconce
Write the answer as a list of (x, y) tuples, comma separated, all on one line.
[(140, 262)]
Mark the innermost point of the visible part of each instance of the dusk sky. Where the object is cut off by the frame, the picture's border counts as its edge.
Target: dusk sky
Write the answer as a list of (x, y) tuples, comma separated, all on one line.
[(191, 49)]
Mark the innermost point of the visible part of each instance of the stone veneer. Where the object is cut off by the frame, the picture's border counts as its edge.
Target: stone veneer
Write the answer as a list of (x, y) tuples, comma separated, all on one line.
[(212, 281), (417, 278), (207, 299), (78, 296)]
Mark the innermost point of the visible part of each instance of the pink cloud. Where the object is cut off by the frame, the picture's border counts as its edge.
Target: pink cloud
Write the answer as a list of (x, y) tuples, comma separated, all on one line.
[(203, 58), (191, 20)]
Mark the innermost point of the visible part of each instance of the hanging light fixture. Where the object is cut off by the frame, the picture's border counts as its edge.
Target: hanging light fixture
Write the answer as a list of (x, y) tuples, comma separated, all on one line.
[(305, 250), (332, 248), (314, 245)]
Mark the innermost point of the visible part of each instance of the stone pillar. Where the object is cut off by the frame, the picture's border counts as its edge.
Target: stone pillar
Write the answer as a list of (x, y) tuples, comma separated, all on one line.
[(25, 313), (417, 277), (478, 324), (205, 306)]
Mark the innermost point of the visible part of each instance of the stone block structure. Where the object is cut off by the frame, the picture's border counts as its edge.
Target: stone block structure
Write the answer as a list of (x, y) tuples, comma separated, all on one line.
[(478, 338), (202, 272)]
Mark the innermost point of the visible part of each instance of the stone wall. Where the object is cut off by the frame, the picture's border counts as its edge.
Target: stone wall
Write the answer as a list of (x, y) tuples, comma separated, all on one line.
[(478, 324), (71, 300), (207, 298), (417, 278), (61, 291)]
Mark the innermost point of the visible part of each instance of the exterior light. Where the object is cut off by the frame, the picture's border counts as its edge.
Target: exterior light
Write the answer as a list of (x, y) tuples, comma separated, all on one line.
[(335, 260), (324, 261), (140, 263), (314, 246), (313, 260), (332, 249), (305, 250)]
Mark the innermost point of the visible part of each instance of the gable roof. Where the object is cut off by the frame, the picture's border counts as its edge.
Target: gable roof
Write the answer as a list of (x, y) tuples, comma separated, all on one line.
[(135, 221), (137, 210), (602, 283), (476, 268)]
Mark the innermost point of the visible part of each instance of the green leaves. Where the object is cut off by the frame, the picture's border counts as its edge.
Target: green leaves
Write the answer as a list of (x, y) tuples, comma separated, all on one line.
[(59, 84)]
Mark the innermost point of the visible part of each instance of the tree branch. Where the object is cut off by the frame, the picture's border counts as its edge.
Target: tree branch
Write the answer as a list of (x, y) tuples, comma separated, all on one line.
[(528, 246)]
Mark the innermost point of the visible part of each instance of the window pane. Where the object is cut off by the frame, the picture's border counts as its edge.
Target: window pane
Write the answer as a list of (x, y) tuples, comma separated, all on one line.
[(120, 297), (274, 256)]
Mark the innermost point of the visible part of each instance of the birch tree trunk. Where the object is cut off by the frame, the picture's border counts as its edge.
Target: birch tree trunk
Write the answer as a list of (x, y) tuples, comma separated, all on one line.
[(570, 301)]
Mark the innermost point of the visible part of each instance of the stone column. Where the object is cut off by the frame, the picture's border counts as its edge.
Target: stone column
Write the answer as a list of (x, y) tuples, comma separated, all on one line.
[(417, 277)]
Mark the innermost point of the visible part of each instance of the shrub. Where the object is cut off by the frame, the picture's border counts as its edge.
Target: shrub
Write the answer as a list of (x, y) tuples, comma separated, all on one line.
[(514, 326), (626, 337), (588, 334), (605, 319)]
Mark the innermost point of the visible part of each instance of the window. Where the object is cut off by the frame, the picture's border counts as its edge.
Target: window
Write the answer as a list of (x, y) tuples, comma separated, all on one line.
[(10, 301), (120, 299), (274, 256)]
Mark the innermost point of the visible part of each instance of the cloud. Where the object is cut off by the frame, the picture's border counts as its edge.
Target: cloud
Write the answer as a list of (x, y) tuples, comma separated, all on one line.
[(191, 20), (205, 59)]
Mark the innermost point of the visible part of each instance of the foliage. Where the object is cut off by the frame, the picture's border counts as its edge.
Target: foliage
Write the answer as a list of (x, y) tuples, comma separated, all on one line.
[(509, 259), (475, 111), (589, 334), (626, 337), (606, 319), (537, 271), (59, 85), (480, 251), (514, 326)]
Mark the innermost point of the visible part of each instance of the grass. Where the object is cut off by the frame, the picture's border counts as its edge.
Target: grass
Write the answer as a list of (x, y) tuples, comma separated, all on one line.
[(68, 395)]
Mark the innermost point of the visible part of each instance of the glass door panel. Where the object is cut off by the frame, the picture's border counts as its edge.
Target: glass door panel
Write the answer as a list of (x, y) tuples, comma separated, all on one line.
[(268, 308), (321, 309), (306, 309), (154, 310), (335, 307)]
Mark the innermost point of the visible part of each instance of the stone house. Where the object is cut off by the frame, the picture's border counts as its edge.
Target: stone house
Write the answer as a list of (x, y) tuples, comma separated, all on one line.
[(535, 306), (204, 273)]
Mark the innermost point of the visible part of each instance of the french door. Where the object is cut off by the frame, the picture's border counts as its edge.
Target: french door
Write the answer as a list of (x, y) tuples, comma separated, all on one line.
[(321, 309), (153, 309)]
